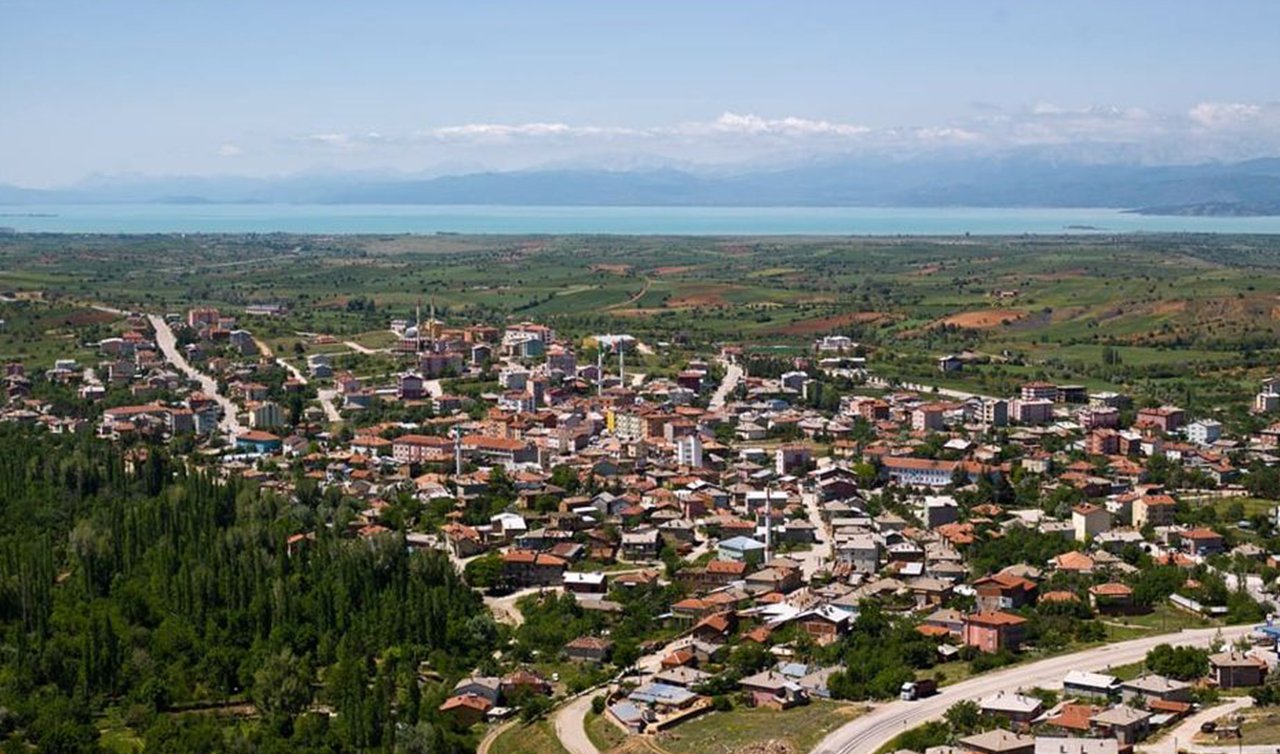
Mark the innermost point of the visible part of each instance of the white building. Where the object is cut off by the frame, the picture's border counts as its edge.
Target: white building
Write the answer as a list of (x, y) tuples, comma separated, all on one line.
[(689, 451), (1204, 431), (266, 415)]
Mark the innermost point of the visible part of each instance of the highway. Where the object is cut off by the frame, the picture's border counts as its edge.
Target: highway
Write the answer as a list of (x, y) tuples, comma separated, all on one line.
[(871, 731), (168, 344)]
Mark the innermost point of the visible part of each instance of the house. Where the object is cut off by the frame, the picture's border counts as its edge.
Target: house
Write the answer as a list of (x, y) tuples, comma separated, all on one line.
[(946, 618), (1089, 521), (1003, 591), (742, 550), (588, 649), (1230, 670), (773, 690), (522, 568), (586, 583), (487, 687), (257, 441), (1111, 598), (522, 682), (1154, 510), (1090, 685), (641, 545), (994, 631), (861, 552), (1152, 687), (683, 676), (1073, 718), (466, 710), (1204, 431), (1165, 418), (826, 624), (1059, 745), (1018, 709), (1202, 542), (1126, 724), (999, 742)]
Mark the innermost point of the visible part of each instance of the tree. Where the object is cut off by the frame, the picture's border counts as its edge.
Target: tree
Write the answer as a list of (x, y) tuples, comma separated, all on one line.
[(1183, 663), (484, 572), (964, 717), (282, 688)]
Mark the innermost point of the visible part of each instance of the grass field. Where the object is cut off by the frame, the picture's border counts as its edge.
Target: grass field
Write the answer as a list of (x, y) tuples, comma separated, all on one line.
[(1162, 619), (535, 738), (725, 732), (603, 734)]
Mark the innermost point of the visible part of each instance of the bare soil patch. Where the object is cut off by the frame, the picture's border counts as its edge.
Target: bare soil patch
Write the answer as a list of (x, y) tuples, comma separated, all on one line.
[(983, 319)]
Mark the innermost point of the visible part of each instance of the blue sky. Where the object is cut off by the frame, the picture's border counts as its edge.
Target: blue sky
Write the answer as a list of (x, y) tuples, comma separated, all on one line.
[(263, 88)]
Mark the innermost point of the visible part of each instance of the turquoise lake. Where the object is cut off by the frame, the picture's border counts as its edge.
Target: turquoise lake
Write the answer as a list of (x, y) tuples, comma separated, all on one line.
[(336, 219)]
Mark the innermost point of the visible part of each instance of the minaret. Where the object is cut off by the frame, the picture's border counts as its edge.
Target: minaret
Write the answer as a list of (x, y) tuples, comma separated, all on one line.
[(417, 328), (432, 332), (457, 451), (768, 524), (622, 366), (600, 384)]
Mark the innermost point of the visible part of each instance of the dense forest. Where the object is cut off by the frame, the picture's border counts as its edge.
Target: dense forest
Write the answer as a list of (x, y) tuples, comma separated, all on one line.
[(142, 603)]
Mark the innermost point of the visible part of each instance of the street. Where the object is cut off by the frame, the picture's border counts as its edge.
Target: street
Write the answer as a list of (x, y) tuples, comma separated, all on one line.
[(168, 344), (733, 374), (871, 731)]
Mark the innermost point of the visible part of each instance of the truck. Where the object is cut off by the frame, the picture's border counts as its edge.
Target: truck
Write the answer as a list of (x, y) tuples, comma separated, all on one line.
[(913, 690)]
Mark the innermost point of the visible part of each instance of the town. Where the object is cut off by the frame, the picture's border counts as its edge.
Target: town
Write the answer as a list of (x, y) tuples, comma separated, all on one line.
[(740, 536)]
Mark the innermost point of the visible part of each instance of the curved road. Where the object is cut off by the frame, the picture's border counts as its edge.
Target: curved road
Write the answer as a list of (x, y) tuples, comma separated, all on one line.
[(571, 729), (873, 730), (1180, 738)]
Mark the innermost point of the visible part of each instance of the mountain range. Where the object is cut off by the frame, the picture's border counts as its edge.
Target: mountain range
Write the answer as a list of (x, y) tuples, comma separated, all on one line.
[(1243, 188)]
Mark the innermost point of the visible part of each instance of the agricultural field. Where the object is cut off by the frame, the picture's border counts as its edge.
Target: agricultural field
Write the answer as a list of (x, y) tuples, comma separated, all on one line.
[(1192, 319)]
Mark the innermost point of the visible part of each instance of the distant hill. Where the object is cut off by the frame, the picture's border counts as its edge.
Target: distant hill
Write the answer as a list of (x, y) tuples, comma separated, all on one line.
[(1214, 209), (1012, 181)]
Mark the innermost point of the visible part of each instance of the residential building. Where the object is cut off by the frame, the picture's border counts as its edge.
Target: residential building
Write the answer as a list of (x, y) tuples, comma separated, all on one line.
[(1018, 709), (994, 631), (1230, 670), (1204, 431), (1089, 521), (742, 550)]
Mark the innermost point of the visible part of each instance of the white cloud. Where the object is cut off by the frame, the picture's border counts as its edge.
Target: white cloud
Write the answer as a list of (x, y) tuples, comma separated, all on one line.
[(1222, 114), (229, 150), (1225, 131), (503, 131), (345, 142), (754, 125)]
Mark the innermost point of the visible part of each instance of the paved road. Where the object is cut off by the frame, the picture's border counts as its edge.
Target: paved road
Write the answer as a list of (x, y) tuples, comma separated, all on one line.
[(813, 559), (168, 344), (732, 376), (880, 382), (1179, 739), (871, 731), (571, 729), (326, 396)]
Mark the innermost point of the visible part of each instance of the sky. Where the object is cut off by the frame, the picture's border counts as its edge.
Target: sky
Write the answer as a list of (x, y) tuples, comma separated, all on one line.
[(178, 87)]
